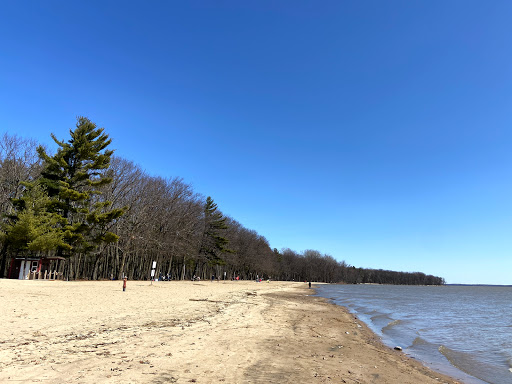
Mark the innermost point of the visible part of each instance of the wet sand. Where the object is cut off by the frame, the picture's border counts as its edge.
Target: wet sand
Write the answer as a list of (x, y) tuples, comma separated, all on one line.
[(182, 332)]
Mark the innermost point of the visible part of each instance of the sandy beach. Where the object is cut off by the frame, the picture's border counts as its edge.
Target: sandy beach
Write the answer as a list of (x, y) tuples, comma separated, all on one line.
[(183, 332)]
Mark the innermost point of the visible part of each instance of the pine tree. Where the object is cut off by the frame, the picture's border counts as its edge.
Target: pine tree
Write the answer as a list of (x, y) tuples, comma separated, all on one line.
[(72, 177), (213, 244), (32, 229)]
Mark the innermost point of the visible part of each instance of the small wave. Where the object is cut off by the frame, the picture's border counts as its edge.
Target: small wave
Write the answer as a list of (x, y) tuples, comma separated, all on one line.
[(392, 324), (380, 316), (508, 360), (420, 342), (466, 362), (372, 312)]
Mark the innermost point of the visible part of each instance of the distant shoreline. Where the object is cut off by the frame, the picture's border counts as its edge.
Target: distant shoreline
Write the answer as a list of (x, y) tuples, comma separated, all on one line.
[(480, 285)]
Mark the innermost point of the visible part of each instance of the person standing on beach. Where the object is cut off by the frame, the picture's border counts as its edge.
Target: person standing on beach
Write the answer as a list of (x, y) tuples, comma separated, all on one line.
[(310, 285), (124, 283)]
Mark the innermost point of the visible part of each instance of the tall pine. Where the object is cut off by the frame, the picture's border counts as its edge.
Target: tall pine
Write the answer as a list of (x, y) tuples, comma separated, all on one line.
[(213, 244), (72, 177)]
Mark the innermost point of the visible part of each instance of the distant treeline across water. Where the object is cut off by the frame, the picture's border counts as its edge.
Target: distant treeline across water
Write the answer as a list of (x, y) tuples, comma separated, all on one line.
[(105, 217)]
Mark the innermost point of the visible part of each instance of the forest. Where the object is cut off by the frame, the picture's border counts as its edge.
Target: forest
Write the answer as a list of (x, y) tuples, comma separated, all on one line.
[(106, 218)]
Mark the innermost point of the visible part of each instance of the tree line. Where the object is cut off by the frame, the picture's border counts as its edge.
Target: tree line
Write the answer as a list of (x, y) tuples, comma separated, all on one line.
[(108, 218)]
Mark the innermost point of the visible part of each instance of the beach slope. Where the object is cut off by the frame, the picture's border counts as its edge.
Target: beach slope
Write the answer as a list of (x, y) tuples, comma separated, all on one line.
[(182, 332)]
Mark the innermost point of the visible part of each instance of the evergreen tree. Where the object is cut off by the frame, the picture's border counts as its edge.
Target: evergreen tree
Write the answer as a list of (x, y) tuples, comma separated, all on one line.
[(72, 178), (213, 244), (32, 229)]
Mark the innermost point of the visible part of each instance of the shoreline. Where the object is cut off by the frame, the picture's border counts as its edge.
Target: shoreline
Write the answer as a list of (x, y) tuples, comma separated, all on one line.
[(369, 338), (180, 332)]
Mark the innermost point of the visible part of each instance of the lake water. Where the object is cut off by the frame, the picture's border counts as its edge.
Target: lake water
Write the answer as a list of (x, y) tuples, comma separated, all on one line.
[(462, 331)]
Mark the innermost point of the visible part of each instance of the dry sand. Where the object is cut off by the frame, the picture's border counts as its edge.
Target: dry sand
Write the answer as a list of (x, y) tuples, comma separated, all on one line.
[(182, 332)]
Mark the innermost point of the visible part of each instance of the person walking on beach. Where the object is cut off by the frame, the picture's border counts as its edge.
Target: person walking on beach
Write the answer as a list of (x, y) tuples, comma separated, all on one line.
[(310, 285)]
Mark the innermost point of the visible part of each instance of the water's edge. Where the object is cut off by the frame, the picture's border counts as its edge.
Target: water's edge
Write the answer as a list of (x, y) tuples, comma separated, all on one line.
[(439, 363)]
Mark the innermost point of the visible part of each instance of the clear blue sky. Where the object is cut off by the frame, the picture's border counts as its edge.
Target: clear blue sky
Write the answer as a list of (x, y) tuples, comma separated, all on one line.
[(378, 132)]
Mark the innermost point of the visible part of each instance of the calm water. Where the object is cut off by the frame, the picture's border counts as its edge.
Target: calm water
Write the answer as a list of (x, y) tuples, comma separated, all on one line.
[(464, 331)]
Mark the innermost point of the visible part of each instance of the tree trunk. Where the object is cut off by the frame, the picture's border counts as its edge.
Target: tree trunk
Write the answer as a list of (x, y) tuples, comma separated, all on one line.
[(121, 269), (183, 271), (170, 266), (95, 269), (4, 259)]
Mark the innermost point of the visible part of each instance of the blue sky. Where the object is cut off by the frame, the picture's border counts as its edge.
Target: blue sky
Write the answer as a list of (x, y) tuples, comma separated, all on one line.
[(376, 132)]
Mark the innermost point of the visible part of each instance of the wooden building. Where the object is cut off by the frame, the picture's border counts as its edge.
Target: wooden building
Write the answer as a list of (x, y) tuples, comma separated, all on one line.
[(29, 268)]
